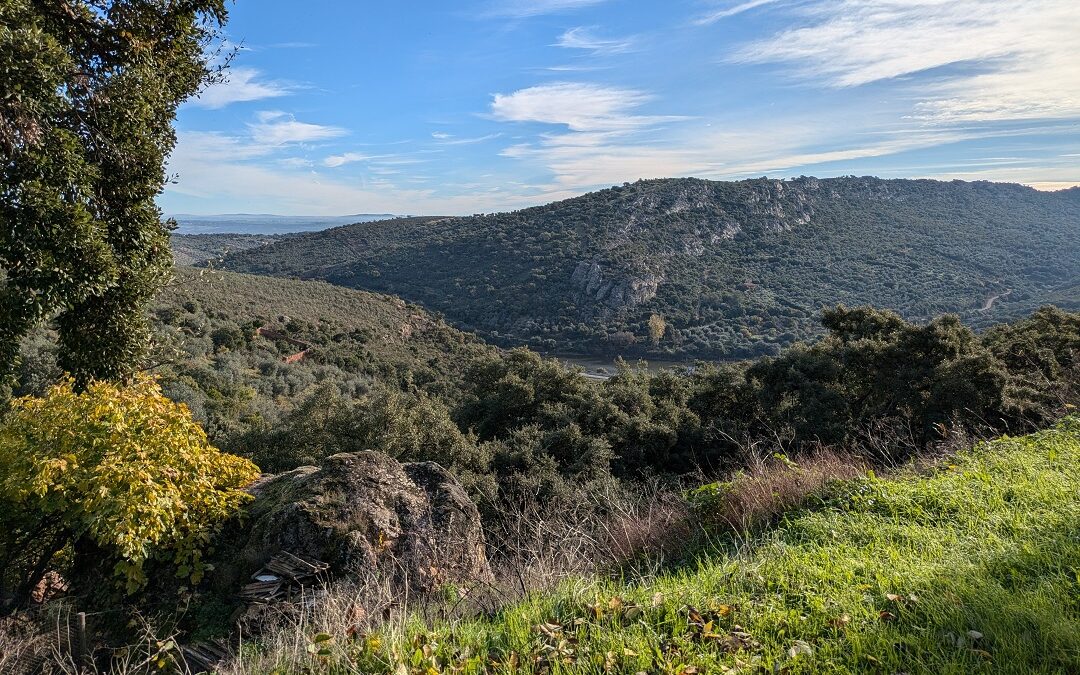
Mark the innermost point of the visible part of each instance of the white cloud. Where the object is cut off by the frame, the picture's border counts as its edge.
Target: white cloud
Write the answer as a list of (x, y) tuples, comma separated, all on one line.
[(579, 106), (522, 9), (587, 160), (276, 128), (334, 161), (1052, 186), (1034, 174), (989, 59), (211, 181), (243, 84), (296, 163), (216, 146), (583, 38), (449, 139), (716, 15), (574, 68)]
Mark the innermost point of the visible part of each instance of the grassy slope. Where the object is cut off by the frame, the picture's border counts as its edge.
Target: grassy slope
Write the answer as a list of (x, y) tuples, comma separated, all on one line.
[(357, 339), (987, 544), (396, 331)]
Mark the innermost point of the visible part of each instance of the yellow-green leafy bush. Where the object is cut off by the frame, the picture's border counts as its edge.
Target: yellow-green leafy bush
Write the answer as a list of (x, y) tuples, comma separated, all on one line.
[(121, 466)]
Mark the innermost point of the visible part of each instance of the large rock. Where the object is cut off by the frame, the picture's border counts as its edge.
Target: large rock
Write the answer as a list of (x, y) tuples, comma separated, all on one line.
[(363, 512)]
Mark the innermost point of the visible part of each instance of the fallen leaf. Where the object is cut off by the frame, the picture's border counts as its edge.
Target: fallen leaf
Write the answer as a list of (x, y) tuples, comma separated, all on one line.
[(800, 648), (886, 615)]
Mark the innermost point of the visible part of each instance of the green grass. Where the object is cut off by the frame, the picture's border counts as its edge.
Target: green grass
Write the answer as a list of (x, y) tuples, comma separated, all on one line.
[(974, 567)]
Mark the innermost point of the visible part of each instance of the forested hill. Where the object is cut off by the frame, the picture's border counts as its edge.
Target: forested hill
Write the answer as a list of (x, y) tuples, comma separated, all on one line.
[(732, 268)]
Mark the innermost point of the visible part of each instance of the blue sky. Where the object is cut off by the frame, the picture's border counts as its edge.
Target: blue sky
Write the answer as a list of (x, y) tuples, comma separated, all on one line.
[(341, 107)]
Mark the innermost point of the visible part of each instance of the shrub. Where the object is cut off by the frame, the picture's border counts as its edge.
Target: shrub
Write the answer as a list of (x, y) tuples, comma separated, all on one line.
[(120, 470)]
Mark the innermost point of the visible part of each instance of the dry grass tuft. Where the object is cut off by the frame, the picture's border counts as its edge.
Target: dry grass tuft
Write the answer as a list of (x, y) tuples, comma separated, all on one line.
[(771, 487), (589, 530)]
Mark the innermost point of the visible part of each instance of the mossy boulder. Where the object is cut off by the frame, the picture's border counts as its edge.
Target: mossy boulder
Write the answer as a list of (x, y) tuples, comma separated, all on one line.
[(361, 512)]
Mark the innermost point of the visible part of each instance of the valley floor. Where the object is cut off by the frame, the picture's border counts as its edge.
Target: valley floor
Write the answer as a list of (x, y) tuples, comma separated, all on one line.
[(970, 566)]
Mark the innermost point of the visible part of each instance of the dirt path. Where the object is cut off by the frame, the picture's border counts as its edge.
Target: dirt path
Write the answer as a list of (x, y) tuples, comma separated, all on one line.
[(989, 304), (272, 334)]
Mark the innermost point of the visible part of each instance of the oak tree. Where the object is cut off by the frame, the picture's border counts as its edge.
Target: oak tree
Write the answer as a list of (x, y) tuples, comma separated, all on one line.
[(88, 94)]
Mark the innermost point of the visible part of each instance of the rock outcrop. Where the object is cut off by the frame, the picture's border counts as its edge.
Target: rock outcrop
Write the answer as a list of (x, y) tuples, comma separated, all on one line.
[(618, 293), (362, 512)]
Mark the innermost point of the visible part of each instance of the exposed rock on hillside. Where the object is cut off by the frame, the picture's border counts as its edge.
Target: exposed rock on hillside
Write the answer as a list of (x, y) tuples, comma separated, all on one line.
[(616, 293), (364, 512), (571, 275)]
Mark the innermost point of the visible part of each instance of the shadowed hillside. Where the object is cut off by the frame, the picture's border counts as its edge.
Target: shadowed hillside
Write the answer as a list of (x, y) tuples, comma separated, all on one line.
[(733, 268)]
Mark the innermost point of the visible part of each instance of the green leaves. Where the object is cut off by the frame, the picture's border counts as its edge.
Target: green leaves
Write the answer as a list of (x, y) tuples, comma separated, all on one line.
[(82, 148), (124, 467), (320, 646)]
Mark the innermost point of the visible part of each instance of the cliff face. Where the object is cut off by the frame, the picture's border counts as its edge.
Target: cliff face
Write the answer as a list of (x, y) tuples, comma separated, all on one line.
[(615, 291), (688, 220)]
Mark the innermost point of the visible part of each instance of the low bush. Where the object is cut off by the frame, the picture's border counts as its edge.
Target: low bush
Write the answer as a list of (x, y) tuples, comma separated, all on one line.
[(113, 475)]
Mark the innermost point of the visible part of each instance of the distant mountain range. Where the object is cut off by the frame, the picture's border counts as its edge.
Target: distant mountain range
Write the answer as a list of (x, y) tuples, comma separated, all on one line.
[(257, 223), (680, 268)]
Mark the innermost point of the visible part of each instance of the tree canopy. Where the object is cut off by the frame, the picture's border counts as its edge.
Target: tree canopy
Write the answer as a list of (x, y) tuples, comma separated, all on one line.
[(90, 91)]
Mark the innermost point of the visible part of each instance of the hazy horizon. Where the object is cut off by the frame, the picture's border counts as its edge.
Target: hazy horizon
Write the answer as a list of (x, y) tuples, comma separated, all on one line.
[(1041, 187), (489, 105)]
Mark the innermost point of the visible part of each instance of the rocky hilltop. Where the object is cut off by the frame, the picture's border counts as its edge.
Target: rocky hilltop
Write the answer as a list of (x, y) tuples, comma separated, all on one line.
[(734, 269)]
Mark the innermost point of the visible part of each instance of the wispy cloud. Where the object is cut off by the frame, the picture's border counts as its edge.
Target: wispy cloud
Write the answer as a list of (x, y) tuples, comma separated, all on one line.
[(586, 160), (216, 146), (219, 180), (718, 14), (579, 106), (978, 60), (242, 84), (449, 139), (334, 161), (583, 38), (573, 68), (526, 8), (1053, 186), (276, 128)]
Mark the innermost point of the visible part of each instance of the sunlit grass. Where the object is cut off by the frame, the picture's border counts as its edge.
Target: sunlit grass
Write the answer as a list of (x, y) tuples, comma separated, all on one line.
[(974, 567)]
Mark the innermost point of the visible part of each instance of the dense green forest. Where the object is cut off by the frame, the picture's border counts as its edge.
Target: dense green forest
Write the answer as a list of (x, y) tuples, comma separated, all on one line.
[(287, 372), (378, 373), (734, 269)]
